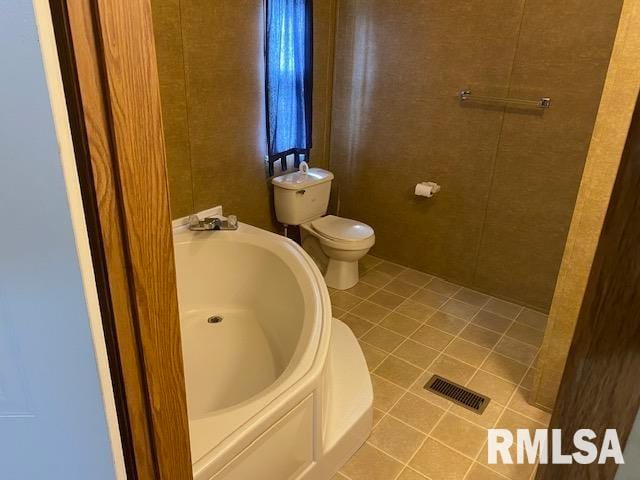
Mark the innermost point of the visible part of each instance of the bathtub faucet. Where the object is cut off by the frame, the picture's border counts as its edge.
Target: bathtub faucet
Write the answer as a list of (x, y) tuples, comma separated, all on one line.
[(213, 223)]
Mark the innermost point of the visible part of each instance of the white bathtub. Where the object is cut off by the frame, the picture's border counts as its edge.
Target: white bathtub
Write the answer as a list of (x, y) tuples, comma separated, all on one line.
[(268, 393)]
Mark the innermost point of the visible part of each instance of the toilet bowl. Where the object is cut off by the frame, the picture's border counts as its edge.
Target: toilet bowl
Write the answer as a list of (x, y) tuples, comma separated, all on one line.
[(337, 244)]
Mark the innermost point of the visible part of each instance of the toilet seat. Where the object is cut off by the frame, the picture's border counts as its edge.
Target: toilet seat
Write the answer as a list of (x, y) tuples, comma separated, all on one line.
[(343, 233), (342, 229)]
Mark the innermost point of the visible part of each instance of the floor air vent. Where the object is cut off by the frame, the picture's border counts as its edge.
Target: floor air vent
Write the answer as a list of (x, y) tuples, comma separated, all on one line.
[(457, 394)]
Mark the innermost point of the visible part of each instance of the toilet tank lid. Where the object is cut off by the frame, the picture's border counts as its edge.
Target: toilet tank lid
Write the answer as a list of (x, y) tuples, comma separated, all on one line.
[(345, 229), (299, 180)]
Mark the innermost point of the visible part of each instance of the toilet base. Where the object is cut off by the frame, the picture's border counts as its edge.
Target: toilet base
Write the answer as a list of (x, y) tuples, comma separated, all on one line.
[(341, 274)]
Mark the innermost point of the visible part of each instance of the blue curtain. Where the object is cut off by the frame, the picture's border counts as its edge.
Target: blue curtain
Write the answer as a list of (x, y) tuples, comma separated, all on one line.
[(289, 79)]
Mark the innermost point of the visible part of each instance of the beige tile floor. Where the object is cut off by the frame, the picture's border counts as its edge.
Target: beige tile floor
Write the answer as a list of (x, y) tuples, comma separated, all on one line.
[(412, 325)]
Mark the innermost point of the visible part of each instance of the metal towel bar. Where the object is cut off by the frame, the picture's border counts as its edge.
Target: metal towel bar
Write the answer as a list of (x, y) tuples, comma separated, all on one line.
[(542, 102)]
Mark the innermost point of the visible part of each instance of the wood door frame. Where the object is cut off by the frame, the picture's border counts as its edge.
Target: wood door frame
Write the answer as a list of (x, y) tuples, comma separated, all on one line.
[(107, 58)]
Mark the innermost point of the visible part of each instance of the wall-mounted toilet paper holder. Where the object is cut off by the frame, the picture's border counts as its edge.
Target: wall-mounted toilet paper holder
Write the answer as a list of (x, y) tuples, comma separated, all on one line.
[(427, 189)]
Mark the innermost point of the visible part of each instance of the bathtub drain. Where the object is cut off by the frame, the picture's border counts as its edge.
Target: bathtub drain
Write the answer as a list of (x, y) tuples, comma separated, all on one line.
[(215, 319)]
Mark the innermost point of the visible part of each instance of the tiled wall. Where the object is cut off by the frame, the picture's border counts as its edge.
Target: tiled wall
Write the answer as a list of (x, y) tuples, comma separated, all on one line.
[(509, 177), (210, 58)]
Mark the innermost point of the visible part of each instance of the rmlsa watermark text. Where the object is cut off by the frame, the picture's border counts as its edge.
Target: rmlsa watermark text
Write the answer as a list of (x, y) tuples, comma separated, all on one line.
[(544, 448)]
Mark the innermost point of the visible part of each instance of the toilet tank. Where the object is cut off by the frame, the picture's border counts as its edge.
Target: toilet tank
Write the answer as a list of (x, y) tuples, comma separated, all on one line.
[(302, 196)]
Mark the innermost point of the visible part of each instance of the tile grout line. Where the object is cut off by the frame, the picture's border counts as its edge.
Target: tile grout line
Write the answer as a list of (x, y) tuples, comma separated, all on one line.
[(440, 353), (409, 337), (468, 322), (448, 410), (387, 354), (506, 407), (493, 349), (506, 403), (375, 324), (518, 386), (426, 435), (477, 369), (457, 336), (407, 390)]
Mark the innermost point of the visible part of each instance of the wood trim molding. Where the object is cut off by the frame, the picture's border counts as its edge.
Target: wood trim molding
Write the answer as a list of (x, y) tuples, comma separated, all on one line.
[(115, 64), (140, 158)]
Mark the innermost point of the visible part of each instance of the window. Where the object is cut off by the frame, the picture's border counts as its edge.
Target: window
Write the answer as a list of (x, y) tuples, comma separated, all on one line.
[(288, 79)]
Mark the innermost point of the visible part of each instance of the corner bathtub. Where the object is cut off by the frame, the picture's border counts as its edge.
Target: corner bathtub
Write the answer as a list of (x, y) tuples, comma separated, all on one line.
[(268, 393)]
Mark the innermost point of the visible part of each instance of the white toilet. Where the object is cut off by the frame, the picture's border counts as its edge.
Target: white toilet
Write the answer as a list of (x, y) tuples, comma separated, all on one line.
[(335, 243)]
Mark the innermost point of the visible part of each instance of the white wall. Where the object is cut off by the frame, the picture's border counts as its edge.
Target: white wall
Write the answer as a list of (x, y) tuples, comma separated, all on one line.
[(56, 407)]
